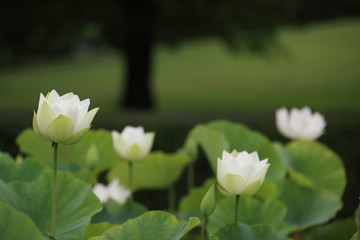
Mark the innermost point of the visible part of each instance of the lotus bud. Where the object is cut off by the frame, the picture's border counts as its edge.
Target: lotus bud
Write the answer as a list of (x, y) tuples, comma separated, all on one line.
[(208, 202)]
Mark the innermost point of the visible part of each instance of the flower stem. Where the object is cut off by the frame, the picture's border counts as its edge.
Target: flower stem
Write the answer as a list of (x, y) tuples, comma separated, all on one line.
[(190, 177), (54, 189), (171, 197), (131, 179), (203, 229), (236, 208)]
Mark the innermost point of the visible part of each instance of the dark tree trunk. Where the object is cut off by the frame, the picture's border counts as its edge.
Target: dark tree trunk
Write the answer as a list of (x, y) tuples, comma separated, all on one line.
[(138, 53)]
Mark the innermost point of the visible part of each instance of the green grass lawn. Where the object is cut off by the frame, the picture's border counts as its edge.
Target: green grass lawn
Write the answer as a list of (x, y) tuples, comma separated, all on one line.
[(320, 67)]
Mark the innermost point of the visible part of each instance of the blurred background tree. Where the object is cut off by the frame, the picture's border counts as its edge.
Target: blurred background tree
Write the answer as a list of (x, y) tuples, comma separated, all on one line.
[(135, 27)]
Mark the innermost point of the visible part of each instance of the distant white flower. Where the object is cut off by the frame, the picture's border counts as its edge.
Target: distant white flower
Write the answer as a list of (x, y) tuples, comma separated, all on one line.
[(113, 191), (133, 144), (241, 173), (62, 119), (300, 123), (101, 192)]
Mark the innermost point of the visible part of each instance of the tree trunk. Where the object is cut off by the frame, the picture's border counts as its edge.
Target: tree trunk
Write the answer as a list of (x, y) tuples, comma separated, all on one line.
[(138, 53)]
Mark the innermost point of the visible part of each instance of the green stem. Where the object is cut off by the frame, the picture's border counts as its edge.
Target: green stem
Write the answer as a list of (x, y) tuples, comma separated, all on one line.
[(190, 176), (171, 197), (236, 208), (131, 179), (54, 189), (203, 229)]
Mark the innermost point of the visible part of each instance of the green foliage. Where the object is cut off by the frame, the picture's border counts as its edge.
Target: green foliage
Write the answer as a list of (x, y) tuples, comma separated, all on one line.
[(302, 189), (316, 182), (307, 207), (190, 204), (243, 232), (75, 203), (251, 212), (22, 169), (341, 229), (316, 166), (93, 154), (212, 142), (267, 190), (155, 225), (17, 225), (158, 170)]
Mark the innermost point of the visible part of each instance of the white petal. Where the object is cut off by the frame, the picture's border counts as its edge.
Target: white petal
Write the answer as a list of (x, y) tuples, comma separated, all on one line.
[(67, 96), (148, 142), (255, 156), (45, 115), (259, 174), (41, 100), (74, 101), (282, 122), (85, 122), (117, 192), (84, 106), (74, 115), (115, 135), (101, 192), (53, 97), (226, 157)]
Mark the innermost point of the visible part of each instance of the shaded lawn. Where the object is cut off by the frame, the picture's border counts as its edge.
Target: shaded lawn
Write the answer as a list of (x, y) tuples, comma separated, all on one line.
[(320, 67)]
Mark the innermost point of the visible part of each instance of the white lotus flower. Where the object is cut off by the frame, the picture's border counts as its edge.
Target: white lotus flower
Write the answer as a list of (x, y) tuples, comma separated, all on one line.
[(241, 173), (62, 119), (300, 123), (133, 144), (113, 191)]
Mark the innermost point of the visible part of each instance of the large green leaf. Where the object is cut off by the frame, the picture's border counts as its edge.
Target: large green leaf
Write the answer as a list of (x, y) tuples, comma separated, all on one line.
[(307, 207), (157, 171), (22, 169), (94, 150), (212, 142), (16, 225), (251, 212), (243, 232), (341, 229), (154, 225), (190, 204), (316, 166), (75, 203), (121, 213), (355, 236)]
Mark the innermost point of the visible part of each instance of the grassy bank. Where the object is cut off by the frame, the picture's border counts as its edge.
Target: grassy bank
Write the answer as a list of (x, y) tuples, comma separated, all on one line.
[(318, 66)]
